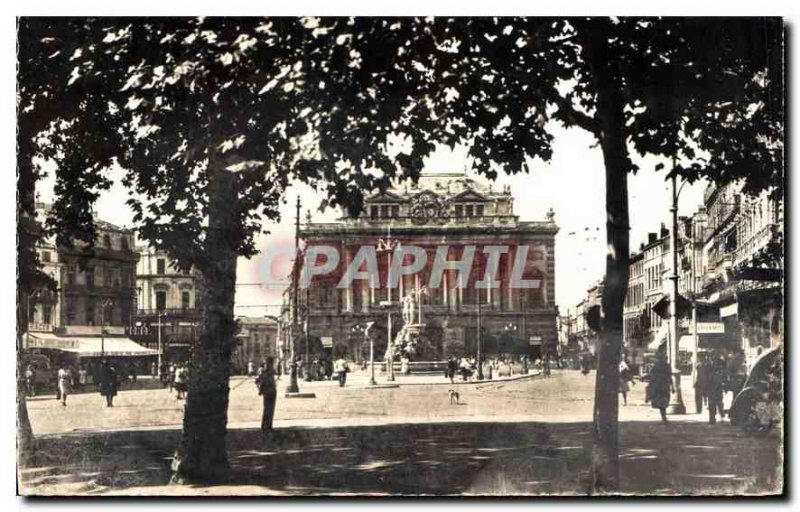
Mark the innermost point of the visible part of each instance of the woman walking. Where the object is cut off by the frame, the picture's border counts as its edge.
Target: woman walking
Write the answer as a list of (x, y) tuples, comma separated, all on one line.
[(660, 384), (269, 393)]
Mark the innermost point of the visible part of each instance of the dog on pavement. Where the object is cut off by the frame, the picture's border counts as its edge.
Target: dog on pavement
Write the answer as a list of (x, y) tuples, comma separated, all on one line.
[(453, 394)]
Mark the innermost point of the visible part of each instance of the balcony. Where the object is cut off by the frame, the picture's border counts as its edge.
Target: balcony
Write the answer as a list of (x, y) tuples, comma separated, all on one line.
[(171, 312)]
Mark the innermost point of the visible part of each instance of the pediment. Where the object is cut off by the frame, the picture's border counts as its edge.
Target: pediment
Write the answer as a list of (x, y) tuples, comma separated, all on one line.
[(386, 197), (470, 195)]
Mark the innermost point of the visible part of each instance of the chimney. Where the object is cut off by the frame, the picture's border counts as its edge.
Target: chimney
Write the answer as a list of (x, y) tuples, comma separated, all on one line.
[(651, 237)]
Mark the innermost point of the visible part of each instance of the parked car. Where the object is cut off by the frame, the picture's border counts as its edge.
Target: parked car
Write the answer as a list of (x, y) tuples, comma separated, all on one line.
[(759, 405)]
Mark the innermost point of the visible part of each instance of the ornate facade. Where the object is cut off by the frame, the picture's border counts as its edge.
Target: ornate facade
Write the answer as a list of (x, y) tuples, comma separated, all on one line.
[(445, 215), (168, 299), (94, 286)]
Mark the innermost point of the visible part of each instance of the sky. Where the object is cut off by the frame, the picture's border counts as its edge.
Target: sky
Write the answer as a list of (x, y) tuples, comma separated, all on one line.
[(572, 184)]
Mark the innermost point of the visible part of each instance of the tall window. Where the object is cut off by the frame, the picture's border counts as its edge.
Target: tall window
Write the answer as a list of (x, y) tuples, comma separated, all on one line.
[(90, 277), (45, 256), (47, 313), (107, 240), (185, 300), (161, 300), (90, 312), (373, 211), (71, 274), (161, 265)]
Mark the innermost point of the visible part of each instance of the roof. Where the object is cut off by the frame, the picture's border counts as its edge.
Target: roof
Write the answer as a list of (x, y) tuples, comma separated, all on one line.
[(449, 184), (257, 320)]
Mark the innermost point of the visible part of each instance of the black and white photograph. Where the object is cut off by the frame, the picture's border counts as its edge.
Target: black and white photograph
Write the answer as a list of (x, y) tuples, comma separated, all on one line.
[(361, 255)]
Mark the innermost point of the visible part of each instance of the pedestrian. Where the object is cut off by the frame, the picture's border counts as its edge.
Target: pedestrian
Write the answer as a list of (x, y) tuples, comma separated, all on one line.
[(546, 366), (404, 366), (251, 368), (717, 382), (463, 368), (660, 385), (624, 377), (109, 383), (171, 376), (30, 380), (340, 367), (181, 382), (451, 369), (154, 369), (700, 384), (82, 378), (63, 385), (265, 381)]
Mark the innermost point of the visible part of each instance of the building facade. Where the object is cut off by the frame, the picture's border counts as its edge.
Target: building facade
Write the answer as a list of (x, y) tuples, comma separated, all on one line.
[(169, 304), (453, 219), (95, 286), (730, 278), (88, 313), (257, 339)]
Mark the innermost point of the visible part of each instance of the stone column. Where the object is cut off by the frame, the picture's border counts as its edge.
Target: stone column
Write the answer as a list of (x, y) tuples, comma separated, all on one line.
[(348, 257)]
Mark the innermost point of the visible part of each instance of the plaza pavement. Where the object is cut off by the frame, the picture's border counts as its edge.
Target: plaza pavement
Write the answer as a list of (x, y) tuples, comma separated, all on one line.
[(524, 436)]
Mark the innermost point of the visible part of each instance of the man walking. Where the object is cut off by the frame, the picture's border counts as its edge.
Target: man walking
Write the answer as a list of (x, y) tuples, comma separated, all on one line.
[(716, 388), (108, 383), (701, 375), (340, 366), (269, 393)]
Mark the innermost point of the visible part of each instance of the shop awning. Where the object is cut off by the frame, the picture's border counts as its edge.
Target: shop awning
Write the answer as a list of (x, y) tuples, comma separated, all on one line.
[(85, 346), (659, 337)]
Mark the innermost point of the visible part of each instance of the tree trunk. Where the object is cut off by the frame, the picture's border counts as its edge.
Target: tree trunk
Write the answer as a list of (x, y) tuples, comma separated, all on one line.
[(27, 232), (202, 454), (610, 104)]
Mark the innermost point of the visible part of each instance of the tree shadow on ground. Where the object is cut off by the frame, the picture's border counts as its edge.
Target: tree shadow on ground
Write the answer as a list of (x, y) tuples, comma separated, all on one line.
[(441, 458)]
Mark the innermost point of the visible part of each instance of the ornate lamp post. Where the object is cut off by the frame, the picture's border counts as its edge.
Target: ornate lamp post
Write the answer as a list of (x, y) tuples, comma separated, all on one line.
[(368, 334), (480, 361), (388, 246), (676, 405)]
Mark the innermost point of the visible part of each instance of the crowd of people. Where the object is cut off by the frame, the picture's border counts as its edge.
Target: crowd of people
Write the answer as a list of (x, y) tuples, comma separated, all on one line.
[(715, 374)]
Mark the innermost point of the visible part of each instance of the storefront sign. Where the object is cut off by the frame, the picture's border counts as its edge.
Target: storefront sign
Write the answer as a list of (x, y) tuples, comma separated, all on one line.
[(535, 340), (52, 343), (327, 341), (710, 328)]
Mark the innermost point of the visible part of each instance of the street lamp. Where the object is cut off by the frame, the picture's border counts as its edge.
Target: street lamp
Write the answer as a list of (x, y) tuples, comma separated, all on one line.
[(480, 363), (676, 405), (388, 246), (511, 330), (368, 334), (389, 356), (105, 304)]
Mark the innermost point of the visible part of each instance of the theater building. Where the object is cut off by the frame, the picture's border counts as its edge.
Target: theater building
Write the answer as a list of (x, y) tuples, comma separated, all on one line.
[(453, 219)]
